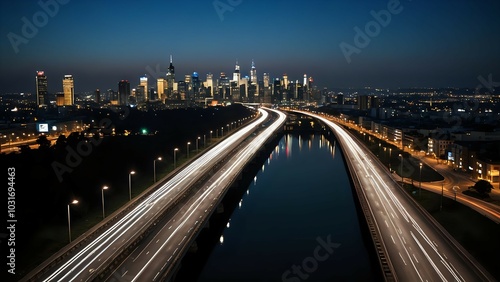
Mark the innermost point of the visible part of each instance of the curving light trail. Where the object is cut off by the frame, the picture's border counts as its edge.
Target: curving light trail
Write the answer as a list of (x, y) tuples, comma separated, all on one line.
[(105, 247), (416, 249)]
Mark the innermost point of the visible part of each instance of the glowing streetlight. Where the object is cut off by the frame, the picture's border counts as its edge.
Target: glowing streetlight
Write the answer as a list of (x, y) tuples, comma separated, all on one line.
[(197, 140), (74, 202), (188, 143), (402, 179), (175, 151), (130, 184), (102, 200), (154, 168), (420, 182)]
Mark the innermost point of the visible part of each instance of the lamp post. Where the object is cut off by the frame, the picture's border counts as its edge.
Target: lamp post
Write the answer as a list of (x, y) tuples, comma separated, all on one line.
[(102, 200), (197, 141), (442, 192), (420, 182), (204, 140), (402, 179), (175, 151), (154, 168), (130, 184), (211, 135), (455, 190), (74, 202), (188, 143), (222, 131), (390, 156)]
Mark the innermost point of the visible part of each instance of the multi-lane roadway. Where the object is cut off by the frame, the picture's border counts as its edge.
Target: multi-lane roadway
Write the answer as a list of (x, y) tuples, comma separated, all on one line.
[(93, 257), (418, 249), (156, 257)]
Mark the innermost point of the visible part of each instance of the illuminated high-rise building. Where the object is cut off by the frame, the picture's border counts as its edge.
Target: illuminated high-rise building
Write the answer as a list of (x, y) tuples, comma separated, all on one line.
[(195, 82), (305, 80), (266, 79), (161, 84), (97, 95), (253, 73), (123, 92), (209, 84), (237, 74), (285, 81), (170, 79), (68, 90), (41, 88), (144, 83)]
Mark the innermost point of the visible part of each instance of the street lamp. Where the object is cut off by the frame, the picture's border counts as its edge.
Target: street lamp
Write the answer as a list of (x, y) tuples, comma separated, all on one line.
[(211, 135), (420, 182), (442, 192), (204, 140), (130, 184), (175, 151), (102, 199), (455, 190), (188, 143), (74, 202), (402, 179), (390, 156), (154, 168), (197, 140), (222, 131)]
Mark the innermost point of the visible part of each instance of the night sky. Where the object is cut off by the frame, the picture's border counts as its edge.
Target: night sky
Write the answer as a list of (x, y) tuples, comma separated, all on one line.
[(424, 44)]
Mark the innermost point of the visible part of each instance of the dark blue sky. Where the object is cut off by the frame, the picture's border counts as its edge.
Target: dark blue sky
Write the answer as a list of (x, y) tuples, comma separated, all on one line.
[(428, 43)]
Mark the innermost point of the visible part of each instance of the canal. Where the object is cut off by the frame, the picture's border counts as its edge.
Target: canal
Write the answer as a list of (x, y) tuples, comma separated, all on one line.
[(297, 221)]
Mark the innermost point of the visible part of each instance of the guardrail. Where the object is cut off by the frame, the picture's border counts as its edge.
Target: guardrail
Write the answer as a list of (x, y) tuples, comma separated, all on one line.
[(386, 265), (92, 233)]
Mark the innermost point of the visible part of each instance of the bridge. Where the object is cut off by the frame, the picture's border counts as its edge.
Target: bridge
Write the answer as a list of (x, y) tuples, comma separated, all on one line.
[(185, 199)]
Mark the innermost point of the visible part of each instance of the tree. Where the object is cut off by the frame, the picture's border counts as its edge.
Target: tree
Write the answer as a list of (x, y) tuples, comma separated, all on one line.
[(43, 142), (483, 187)]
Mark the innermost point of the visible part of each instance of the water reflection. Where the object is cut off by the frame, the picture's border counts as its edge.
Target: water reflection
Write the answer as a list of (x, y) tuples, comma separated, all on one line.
[(304, 195)]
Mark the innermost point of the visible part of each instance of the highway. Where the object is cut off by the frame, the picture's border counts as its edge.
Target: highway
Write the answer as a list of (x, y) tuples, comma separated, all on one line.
[(418, 248), (156, 257), (90, 259), (452, 178)]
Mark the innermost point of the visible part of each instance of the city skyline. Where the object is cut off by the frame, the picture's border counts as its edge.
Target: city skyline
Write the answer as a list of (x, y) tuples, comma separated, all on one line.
[(383, 44)]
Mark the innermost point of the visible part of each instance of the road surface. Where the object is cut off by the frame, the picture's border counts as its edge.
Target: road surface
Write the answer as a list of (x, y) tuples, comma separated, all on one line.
[(85, 263), (418, 249), (156, 256)]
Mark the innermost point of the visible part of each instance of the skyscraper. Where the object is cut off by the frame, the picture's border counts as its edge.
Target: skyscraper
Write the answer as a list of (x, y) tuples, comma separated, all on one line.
[(68, 90), (209, 84), (123, 92), (144, 83), (41, 88), (97, 96), (253, 73), (237, 74), (170, 79), (285, 81), (266, 79), (161, 84)]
